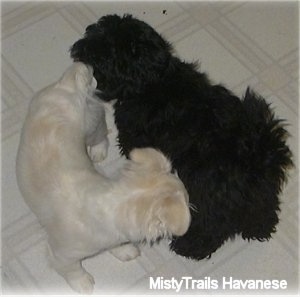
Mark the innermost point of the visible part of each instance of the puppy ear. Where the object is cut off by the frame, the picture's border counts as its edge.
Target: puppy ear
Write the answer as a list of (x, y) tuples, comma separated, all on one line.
[(174, 215), (77, 76), (83, 76), (151, 158)]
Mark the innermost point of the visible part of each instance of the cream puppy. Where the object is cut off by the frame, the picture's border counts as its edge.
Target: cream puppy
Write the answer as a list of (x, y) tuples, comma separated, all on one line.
[(83, 212)]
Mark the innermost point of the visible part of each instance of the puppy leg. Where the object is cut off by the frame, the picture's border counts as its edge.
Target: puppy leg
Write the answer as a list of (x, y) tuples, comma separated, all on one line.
[(73, 272), (78, 278), (96, 131), (125, 252), (98, 152)]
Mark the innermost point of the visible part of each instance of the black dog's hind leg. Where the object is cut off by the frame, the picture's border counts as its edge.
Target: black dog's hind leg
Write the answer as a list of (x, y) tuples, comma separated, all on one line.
[(260, 217), (197, 244)]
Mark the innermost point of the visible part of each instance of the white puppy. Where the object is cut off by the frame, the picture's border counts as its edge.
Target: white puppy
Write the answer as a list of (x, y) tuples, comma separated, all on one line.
[(82, 211)]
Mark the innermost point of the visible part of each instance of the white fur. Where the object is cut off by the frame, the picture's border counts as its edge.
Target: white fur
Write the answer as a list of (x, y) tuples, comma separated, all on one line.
[(82, 211)]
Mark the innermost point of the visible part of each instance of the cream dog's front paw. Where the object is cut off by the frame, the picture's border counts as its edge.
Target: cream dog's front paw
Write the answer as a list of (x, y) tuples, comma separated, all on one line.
[(126, 252), (83, 284), (98, 152)]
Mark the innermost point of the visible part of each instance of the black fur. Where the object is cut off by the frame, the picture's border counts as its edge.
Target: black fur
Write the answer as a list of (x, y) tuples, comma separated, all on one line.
[(229, 152)]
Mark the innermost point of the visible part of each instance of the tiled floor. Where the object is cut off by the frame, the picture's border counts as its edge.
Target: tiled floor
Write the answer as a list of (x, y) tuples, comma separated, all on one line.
[(237, 43)]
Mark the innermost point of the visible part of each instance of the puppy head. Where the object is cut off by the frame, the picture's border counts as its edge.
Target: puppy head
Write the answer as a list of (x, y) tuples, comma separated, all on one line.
[(124, 52), (78, 77), (159, 204)]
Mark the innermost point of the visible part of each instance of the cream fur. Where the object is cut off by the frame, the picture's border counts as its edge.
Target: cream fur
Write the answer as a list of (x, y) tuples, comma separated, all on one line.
[(83, 212)]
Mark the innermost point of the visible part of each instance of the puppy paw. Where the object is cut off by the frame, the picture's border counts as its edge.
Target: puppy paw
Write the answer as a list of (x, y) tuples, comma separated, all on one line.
[(98, 152), (126, 252), (83, 284)]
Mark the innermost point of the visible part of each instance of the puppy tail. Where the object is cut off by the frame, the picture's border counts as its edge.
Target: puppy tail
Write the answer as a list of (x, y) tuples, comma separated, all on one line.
[(269, 136), (268, 160)]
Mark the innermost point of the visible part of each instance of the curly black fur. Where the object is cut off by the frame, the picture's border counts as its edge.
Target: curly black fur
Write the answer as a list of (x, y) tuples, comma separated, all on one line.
[(229, 152)]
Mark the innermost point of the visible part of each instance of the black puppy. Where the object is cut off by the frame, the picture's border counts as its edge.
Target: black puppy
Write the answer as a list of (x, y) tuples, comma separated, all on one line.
[(230, 153)]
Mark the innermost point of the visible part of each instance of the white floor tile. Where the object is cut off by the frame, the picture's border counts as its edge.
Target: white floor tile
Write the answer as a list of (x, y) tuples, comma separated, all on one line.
[(277, 36), (40, 52), (154, 13), (213, 58), (13, 205)]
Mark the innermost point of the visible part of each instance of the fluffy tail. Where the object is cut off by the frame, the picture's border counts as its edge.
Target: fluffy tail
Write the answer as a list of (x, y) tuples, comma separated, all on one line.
[(268, 158), (268, 140)]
